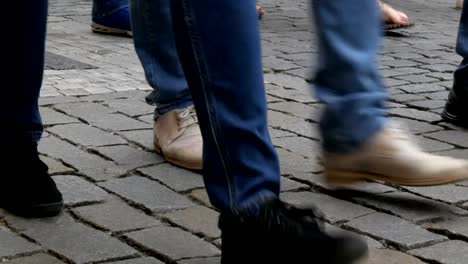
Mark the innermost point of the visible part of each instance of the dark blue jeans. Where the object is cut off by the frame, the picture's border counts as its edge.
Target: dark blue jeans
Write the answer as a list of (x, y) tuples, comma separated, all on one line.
[(23, 58), (106, 7), (461, 74)]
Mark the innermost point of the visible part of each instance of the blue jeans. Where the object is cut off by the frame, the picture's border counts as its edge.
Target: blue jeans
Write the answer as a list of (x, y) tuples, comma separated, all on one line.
[(154, 41), (22, 77), (106, 7), (218, 41), (461, 74)]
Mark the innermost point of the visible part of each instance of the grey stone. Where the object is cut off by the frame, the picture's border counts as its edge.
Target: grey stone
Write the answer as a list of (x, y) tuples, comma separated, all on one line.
[(200, 220), (417, 78), (56, 167), (428, 104), (292, 124), (85, 110), (76, 190), (119, 122), (139, 261), (450, 252), (458, 138), (277, 133), (456, 153), (144, 138), (432, 145), (292, 163), (455, 226), (394, 230), (40, 258), (201, 261), (91, 165), (201, 196), (446, 193), (406, 98), (371, 243), (296, 109), (52, 117), (147, 118), (86, 135), (177, 244), (387, 256), (415, 114), (410, 207), (71, 239), (130, 157), (421, 88), (416, 127), (12, 245), (291, 185), (131, 107), (115, 215), (147, 193), (299, 145), (176, 178), (335, 210)]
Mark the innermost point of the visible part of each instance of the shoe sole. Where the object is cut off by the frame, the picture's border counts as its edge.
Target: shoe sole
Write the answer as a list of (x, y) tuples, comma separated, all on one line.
[(447, 117), (179, 163), (344, 178), (100, 29), (36, 211)]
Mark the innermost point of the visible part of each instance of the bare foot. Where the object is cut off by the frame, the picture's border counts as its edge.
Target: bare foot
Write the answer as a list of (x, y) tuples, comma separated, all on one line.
[(393, 16), (260, 11)]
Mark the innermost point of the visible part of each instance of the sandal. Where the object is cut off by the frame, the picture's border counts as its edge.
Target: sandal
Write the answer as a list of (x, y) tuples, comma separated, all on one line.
[(393, 18)]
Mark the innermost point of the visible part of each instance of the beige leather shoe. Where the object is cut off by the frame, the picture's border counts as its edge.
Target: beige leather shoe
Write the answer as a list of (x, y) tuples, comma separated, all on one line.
[(178, 138), (391, 157)]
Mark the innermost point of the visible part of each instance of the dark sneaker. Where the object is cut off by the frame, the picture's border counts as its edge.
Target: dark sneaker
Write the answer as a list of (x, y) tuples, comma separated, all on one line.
[(26, 187), (276, 232), (456, 110), (117, 23)]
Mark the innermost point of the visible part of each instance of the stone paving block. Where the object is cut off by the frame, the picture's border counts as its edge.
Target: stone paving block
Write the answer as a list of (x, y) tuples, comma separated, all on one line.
[(40, 258), (55, 166), (410, 207), (116, 216), (139, 261), (416, 127), (415, 114), (446, 193), (76, 190), (130, 157), (47, 101), (119, 122), (176, 178), (395, 230), (199, 220), (335, 210), (143, 138), (201, 261), (202, 196), (177, 244), (52, 117), (450, 252), (428, 104), (88, 111), (291, 163), (287, 81), (417, 78), (456, 153), (12, 244), (71, 239), (365, 187), (455, 226), (147, 193), (406, 98), (296, 109), (91, 165), (371, 243), (387, 256), (299, 145), (291, 185), (457, 138), (437, 95), (86, 135), (131, 107), (421, 88), (277, 133), (431, 145), (147, 118)]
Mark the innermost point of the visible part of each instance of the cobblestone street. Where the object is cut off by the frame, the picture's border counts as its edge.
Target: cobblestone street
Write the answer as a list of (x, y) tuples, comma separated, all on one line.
[(126, 205)]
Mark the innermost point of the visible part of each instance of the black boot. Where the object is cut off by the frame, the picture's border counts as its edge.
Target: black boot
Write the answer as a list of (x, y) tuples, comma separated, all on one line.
[(26, 187), (280, 233), (456, 108)]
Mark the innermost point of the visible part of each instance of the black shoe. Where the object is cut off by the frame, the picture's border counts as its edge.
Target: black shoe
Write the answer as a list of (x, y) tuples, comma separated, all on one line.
[(456, 110), (26, 188), (281, 233)]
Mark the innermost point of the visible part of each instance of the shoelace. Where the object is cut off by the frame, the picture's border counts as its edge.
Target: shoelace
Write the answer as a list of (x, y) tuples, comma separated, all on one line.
[(187, 117)]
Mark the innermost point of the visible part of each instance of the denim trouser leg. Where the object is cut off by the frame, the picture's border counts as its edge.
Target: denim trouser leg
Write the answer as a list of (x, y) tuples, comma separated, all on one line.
[(461, 74), (155, 45), (107, 7), (219, 44), (22, 77), (347, 79)]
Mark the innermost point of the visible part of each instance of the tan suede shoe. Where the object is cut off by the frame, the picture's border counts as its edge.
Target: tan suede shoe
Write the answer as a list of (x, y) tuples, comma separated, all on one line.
[(391, 157), (178, 138)]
